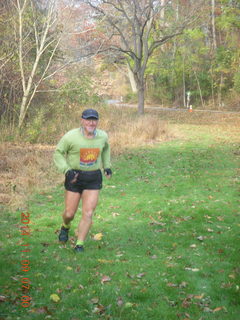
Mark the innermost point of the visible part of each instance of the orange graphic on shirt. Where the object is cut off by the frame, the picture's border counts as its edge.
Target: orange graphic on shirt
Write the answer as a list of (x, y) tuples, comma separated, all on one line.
[(88, 156)]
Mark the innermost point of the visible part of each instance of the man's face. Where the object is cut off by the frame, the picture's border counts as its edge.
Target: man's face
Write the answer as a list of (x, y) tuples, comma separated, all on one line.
[(89, 125)]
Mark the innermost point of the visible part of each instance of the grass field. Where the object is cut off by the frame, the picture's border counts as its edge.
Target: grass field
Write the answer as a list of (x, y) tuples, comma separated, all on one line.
[(169, 221)]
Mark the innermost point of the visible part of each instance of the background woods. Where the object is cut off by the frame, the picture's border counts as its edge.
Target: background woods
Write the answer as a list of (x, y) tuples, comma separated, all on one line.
[(164, 52)]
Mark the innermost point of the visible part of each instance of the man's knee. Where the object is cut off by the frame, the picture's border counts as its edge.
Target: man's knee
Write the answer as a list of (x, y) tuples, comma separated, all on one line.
[(69, 214), (88, 214)]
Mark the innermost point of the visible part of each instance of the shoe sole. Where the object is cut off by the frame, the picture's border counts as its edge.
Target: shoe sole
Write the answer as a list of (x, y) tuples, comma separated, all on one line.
[(63, 242), (78, 251)]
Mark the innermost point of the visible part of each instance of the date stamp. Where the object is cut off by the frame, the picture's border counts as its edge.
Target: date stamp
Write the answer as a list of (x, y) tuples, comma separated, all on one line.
[(25, 261)]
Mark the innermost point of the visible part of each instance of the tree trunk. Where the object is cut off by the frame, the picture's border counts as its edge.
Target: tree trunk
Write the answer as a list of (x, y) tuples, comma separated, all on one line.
[(23, 111), (220, 91), (213, 25), (199, 88), (140, 82), (212, 86), (132, 80), (141, 93), (184, 83)]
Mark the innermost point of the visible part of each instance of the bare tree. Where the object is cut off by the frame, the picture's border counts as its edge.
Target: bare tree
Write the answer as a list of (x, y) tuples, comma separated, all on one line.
[(44, 40), (213, 7), (135, 28)]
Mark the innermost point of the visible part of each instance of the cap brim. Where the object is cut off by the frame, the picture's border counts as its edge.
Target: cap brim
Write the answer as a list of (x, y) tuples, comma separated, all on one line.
[(90, 117)]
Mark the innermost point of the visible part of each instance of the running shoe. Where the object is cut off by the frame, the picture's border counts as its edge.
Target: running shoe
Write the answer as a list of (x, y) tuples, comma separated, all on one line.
[(63, 235), (78, 248)]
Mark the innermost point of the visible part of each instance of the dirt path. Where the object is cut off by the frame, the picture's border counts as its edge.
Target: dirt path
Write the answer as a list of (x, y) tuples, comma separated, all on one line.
[(175, 109)]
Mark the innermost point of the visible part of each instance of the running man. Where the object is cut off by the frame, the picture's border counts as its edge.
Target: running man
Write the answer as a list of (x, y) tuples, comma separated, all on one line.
[(80, 155)]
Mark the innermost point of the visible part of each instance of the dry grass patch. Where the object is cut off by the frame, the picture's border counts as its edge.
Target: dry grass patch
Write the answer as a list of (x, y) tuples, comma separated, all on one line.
[(24, 169), (139, 132), (128, 130)]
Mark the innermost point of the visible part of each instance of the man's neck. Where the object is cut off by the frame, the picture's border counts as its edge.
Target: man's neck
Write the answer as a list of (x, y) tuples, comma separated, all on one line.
[(88, 135)]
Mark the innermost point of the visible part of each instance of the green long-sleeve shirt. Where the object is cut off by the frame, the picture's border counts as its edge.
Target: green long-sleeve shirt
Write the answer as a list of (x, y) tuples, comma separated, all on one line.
[(75, 151)]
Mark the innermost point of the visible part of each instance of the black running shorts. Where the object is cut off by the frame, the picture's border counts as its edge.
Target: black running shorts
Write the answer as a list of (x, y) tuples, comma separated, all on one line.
[(78, 180)]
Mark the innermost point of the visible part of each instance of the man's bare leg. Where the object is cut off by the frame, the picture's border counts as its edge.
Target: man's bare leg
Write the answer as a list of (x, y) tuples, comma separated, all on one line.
[(89, 203), (71, 205)]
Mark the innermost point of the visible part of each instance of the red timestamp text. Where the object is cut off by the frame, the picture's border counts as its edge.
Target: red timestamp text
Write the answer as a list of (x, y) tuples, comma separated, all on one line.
[(25, 261)]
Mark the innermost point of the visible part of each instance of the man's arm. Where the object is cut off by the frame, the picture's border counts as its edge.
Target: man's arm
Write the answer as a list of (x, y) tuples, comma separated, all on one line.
[(59, 156), (106, 159)]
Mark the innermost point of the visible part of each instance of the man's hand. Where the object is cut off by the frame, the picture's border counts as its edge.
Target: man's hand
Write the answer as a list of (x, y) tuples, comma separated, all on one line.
[(108, 173), (73, 175)]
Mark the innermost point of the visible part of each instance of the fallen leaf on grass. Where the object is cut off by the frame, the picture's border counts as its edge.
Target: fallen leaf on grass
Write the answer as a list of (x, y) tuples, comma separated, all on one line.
[(128, 305), (186, 303), (3, 298), (183, 284), (99, 309), (95, 300), (68, 287), (161, 230), (45, 244), (119, 301), (41, 310), (156, 222), (218, 309), (193, 246), (105, 261), (172, 303), (119, 254), (98, 237), (69, 268), (226, 285), (78, 269), (105, 279), (199, 297), (206, 309), (59, 290), (192, 269), (153, 257), (129, 275), (54, 297), (173, 285), (115, 214), (140, 275)]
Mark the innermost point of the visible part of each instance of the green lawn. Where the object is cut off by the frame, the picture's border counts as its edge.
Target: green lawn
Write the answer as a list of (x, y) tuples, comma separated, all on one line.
[(170, 247)]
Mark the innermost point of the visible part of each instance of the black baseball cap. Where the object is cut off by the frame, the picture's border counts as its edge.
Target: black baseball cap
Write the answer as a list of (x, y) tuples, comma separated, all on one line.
[(90, 113)]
